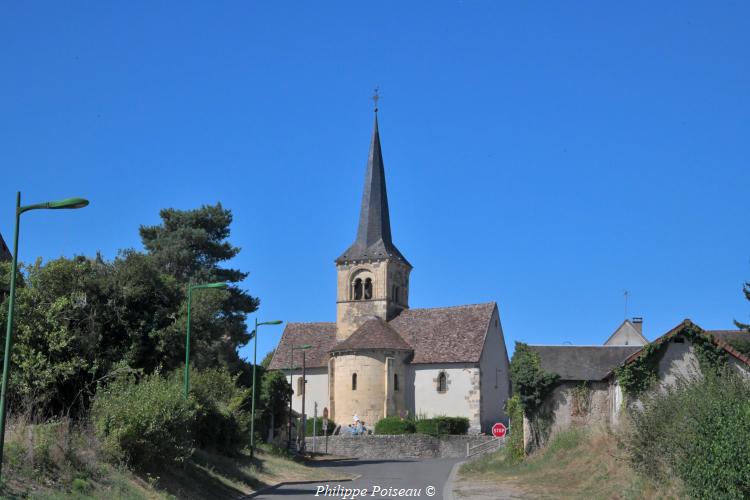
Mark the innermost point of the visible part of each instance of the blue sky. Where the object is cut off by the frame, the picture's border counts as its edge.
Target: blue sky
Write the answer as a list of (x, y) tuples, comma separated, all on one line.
[(544, 155)]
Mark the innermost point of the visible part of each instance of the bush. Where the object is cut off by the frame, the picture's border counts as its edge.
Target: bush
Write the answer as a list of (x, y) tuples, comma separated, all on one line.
[(394, 425), (442, 425), (698, 430), (319, 426), (222, 409), (144, 423)]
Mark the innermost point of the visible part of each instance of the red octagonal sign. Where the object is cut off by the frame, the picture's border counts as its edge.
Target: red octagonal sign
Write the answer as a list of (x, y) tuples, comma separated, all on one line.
[(499, 430)]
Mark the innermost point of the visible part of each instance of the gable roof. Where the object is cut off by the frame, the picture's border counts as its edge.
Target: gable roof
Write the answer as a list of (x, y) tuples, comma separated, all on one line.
[(4, 250), (582, 362), (321, 336), (445, 334), (372, 334), (719, 337), (373, 239), (626, 334)]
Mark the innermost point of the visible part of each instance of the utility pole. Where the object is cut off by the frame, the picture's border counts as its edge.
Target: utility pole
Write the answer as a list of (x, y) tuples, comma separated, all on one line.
[(304, 417)]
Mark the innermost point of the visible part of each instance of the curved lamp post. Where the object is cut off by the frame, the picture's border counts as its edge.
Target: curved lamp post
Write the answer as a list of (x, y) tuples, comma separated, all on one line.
[(254, 333), (67, 203), (187, 334)]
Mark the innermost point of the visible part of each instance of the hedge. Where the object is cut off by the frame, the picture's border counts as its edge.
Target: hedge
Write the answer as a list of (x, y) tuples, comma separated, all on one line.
[(432, 426), (394, 425)]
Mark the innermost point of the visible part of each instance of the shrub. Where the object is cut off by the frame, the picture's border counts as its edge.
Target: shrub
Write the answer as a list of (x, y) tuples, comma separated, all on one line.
[(394, 425), (514, 451), (222, 409), (319, 426), (698, 430), (442, 425), (142, 423)]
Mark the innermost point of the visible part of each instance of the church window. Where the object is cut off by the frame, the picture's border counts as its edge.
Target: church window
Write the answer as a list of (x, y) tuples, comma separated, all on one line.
[(395, 381), (354, 381), (300, 386), (442, 382), (357, 289), (368, 289)]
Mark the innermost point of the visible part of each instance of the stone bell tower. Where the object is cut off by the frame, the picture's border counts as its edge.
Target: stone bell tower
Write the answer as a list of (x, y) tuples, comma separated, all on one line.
[(373, 276)]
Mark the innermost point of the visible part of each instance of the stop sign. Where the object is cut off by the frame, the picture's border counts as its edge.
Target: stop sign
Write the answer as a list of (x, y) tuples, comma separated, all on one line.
[(499, 430)]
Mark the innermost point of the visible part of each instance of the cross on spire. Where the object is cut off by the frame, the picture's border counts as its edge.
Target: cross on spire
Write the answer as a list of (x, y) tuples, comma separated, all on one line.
[(376, 97)]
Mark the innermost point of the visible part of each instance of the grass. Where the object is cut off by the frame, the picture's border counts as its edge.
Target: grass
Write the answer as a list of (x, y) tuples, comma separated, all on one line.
[(54, 461), (575, 464)]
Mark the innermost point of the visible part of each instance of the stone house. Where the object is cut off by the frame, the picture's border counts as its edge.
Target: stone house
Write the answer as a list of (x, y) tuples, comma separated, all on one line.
[(588, 392), (381, 357)]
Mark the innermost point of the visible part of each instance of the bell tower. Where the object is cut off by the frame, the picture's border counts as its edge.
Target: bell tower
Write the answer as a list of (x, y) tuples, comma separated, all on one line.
[(373, 276)]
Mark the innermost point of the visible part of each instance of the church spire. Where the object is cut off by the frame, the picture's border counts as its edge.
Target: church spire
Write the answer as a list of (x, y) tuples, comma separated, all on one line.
[(374, 231)]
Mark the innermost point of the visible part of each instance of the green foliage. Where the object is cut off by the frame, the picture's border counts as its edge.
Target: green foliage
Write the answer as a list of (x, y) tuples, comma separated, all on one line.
[(698, 430), (514, 451), (581, 399), (640, 374), (144, 423), (394, 425), (273, 403), (439, 426), (746, 291), (742, 345), (319, 426), (530, 382), (222, 409)]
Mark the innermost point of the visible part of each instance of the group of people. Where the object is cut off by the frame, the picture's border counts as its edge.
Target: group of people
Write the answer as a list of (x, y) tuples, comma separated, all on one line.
[(358, 428)]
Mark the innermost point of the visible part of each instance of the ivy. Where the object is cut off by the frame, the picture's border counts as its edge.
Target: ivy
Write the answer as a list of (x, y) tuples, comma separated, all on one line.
[(711, 357), (581, 399)]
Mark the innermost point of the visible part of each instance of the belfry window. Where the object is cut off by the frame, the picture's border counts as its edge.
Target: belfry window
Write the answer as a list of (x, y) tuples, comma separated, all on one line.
[(357, 289), (395, 382), (442, 382), (354, 381), (368, 289)]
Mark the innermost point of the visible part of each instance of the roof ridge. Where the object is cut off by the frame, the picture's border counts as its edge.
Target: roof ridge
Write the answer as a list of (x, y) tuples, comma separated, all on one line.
[(449, 307)]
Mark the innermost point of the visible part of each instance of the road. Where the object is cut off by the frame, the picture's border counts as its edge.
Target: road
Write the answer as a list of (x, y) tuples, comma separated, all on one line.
[(416, 478)]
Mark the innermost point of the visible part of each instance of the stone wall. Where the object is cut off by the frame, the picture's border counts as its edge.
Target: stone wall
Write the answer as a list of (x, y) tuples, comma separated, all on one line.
[(395, 447)]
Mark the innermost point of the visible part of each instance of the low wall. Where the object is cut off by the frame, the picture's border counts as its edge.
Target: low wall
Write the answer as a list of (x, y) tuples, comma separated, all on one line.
[(401, 446)]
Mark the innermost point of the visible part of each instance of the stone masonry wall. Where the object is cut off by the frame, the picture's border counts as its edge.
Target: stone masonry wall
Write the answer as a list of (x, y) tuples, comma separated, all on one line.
[(395, 447)]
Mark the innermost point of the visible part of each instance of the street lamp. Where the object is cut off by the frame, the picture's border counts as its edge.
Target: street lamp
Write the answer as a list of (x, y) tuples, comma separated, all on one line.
[(302, 347), (68, 203), (187, 335), (255, 357)]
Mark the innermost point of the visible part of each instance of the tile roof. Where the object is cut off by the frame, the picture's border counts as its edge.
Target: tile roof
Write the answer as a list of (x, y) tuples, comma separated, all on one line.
[(582, 362), (321, 336), (445, 334), (4, 250), (439, 335), (373, 334)]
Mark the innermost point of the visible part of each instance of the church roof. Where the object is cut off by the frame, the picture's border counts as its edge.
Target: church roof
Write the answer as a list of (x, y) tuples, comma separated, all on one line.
[(373, 334), (373, 239), (438, 335), (4, 251), (445, 334), (321, 336), (572, 362)]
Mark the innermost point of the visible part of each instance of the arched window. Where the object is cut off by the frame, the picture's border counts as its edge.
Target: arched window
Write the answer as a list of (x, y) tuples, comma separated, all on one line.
[(395, 381), (357, 289), (368, 289), (442, 382), (300, 386), (354, 381)]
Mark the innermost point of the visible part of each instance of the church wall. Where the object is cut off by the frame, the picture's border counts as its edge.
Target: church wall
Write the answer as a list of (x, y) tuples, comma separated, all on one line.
[(461, 399), (317, 390), (495, 376)]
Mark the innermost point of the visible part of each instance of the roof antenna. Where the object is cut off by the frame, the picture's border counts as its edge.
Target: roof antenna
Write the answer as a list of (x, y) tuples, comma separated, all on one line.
[(626, 294), (376, 97)]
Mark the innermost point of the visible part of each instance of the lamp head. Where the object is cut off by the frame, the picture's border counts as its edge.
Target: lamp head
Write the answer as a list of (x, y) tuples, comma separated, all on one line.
[(276, 322), (68, 203)]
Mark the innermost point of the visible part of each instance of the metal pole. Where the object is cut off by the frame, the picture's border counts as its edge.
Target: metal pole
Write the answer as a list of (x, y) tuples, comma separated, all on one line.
[(9, 330), (315, 426), (252, 419), (187, 343), (291, 396), (304, 392)]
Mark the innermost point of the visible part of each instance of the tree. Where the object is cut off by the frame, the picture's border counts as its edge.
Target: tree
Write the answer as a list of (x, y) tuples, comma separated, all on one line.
[(266, 361), (746, 291), (275, 393)]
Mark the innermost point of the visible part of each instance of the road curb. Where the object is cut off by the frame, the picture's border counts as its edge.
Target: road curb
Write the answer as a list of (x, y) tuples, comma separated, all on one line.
[(448, 488)]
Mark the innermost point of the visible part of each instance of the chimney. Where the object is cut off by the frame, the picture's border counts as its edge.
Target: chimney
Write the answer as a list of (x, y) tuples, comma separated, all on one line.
[(638, 324)]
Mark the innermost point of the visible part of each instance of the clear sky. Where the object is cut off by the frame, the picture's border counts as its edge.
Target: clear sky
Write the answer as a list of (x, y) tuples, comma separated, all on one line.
[(544, 155)]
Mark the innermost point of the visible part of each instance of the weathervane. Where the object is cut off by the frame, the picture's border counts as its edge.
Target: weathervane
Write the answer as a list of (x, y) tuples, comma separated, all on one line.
[(376, 97)]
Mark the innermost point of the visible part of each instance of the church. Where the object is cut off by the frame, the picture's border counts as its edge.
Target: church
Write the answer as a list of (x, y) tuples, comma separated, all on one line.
[(381, 357)]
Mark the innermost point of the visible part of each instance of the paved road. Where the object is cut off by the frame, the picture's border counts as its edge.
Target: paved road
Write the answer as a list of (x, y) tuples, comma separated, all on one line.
[(411, 475)]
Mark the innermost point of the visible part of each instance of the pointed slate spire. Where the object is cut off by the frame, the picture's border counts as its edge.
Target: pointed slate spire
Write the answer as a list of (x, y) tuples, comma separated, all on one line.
[(374, 231)]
